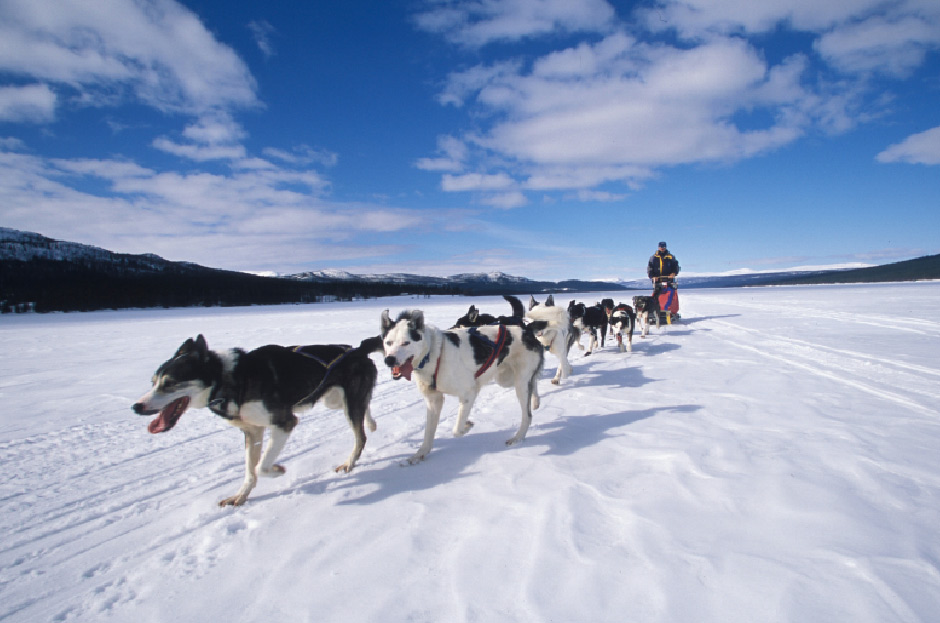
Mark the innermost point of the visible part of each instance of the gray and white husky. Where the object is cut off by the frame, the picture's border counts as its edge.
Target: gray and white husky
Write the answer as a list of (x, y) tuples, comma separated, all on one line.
[(261, 390)]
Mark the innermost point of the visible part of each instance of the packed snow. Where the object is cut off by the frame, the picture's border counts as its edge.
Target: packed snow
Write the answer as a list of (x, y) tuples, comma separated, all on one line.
[(775, 456)]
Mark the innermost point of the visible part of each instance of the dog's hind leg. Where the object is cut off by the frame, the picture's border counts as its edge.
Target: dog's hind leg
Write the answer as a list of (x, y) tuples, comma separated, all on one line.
[(356, 415), (370, 422), (254, 435), (435, 402), (564, 366), (526, 396)]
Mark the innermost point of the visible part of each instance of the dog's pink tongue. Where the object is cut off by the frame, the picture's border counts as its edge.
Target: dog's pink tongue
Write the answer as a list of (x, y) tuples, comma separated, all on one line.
[(169, 416), (404, 370)]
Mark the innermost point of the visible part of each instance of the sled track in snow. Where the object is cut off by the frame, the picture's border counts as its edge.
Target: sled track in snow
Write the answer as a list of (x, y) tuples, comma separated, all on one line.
[(891, 379)]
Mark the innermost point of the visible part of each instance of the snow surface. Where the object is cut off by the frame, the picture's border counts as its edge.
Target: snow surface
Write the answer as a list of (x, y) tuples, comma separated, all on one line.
[(774, 457)]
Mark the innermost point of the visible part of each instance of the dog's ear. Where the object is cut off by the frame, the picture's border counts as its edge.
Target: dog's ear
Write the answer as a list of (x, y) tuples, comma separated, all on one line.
[(532, 302), (473, 314), (417, 320), (550, 301), (386, 323), (202, 347)]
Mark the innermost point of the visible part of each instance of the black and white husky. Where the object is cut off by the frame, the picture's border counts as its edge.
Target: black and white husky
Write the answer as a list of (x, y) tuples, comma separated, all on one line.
[(622, 320), (261, 389), (473, 317), (647, 307), (459, 362), (558, 334), (591, 320)]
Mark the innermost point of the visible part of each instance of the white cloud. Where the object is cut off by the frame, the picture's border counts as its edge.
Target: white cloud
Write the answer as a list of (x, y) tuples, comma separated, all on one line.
[(255, 218), (158, 50), (34, 103), (617, 109), (303, 155), (213, 137), (506, 201), (476, 181), (475, 23), (922, 148), (262, 31), (892, 46), (454, 153)]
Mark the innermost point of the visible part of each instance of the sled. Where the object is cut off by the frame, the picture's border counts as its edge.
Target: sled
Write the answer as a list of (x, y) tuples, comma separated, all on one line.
[(668, 303)]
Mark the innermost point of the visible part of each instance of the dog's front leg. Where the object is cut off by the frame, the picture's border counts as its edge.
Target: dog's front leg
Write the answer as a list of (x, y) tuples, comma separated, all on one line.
[(435, 402), (254, 435), (463, 425), (276, 440)]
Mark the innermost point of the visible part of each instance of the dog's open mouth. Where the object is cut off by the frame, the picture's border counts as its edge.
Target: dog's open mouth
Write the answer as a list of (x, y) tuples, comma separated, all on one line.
[(169, 416), (403, 370)]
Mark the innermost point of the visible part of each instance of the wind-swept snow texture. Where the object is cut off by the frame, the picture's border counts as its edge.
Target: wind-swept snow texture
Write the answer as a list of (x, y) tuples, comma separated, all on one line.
[(774, 457)]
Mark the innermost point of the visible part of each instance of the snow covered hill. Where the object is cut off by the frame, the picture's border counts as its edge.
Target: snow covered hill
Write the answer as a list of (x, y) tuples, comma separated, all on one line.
[(773, 458)]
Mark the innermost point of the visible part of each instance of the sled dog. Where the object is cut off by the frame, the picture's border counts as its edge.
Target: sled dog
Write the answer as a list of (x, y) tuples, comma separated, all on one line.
[(591, 320), (558, 334), (459, 362), (261, 389), (473, 317), (622, 319), (647, 307)]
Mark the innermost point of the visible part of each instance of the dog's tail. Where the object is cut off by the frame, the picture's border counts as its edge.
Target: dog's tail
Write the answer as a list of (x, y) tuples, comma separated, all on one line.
[(518, 311), (371, 345)]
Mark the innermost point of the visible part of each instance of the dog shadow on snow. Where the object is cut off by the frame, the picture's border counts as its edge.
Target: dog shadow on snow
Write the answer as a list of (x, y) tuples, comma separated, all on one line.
[(452, 459)]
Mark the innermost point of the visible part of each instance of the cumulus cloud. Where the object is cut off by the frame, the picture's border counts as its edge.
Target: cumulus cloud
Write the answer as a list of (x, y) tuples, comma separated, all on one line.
[(922, 148), (34, 103), (477, 23), (158, 51), (614, 110), (679, 82)]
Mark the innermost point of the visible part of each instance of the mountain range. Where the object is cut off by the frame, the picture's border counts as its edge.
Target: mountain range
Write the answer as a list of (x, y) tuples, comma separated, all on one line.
[(43, 274)]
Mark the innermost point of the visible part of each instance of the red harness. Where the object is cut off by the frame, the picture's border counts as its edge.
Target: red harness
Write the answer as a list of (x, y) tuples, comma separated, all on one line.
[(494, 352)]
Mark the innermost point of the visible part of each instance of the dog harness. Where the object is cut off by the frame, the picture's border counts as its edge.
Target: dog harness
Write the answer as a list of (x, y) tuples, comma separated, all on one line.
[(327, 366), (437, 368), (495, 348)]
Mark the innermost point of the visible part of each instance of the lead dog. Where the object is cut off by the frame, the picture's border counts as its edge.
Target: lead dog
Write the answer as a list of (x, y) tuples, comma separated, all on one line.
[(558, 334), (262, 389), (459, 362)]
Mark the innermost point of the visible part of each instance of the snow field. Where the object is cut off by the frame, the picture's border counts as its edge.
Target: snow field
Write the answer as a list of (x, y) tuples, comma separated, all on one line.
[(771, 458)]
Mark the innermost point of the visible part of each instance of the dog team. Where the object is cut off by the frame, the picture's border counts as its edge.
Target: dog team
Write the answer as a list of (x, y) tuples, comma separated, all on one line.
[(260, 390)]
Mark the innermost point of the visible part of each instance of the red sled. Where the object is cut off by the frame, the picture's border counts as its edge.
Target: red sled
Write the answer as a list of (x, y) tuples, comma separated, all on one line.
[(669, 299)]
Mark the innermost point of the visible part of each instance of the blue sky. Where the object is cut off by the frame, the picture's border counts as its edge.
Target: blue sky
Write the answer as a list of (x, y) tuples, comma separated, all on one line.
[(551, 139)]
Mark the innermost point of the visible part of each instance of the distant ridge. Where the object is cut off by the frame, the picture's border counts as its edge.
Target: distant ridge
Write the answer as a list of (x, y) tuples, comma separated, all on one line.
[(922, 268), (43, 274)]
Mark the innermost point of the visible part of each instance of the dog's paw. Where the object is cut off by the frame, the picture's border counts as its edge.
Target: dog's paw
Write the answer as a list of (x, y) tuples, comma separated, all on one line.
[(414, 460), (466, 429), (344, 468), (273, 472), (235, 500)]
